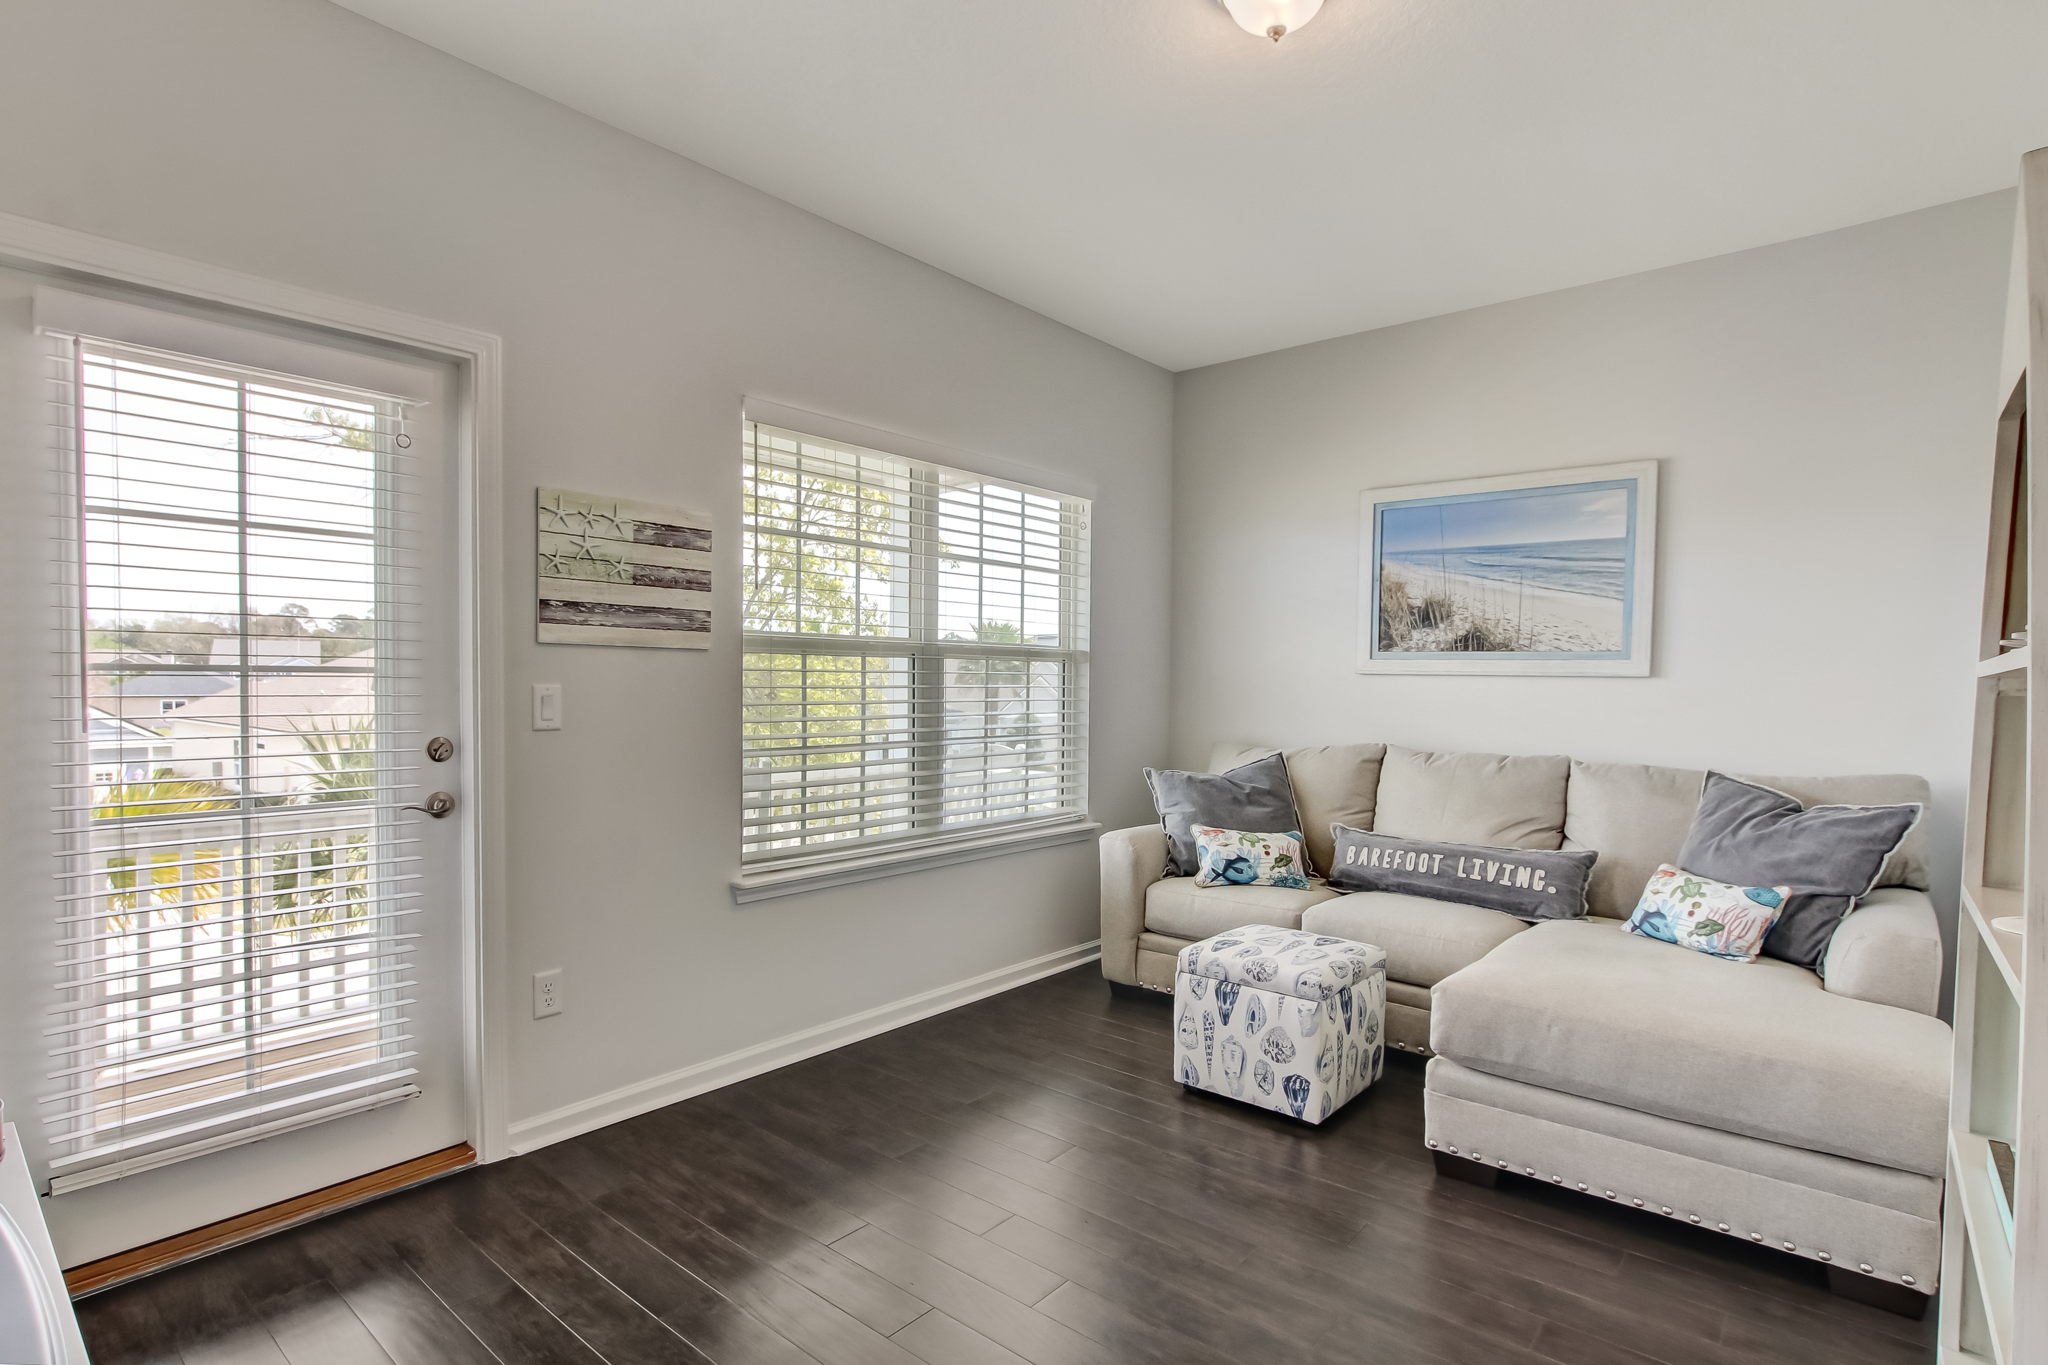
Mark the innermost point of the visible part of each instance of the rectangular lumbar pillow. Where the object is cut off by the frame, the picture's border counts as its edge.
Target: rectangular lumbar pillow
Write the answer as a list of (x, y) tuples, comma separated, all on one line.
[(1256, 796), (1707, 916), (1235, 857), (1531, 884), (1828, 857)]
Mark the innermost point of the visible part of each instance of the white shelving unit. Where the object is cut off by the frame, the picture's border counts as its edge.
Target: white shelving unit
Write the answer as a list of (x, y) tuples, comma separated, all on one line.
[(1994, 1298)]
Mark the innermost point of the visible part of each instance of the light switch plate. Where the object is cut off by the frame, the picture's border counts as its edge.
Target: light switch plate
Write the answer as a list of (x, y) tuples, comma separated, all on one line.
[(547, 706)]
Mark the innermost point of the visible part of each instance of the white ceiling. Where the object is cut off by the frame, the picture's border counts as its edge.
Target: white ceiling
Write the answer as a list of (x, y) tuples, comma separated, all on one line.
[(1148, 173)]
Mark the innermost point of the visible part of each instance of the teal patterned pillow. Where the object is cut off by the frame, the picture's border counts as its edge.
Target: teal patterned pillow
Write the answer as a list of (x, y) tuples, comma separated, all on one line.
[(1231, 857), (1707, 916)]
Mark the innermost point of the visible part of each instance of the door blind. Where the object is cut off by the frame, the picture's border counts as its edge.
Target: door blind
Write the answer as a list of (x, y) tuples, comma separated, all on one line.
[(916, 652), (236, 687)]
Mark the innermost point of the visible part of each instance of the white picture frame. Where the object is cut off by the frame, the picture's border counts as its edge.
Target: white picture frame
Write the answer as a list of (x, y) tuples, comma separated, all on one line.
[(1487, 576)]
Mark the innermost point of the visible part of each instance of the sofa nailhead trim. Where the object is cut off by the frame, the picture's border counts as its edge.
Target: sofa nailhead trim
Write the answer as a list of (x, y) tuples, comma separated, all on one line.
[(1694, 1218)]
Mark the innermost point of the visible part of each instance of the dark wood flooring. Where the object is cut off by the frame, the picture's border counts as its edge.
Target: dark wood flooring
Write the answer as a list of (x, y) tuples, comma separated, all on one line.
[(1019, 1180)]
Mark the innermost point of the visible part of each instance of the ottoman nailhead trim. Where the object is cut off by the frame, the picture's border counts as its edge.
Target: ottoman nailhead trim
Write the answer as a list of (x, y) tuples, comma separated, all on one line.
[(1528, 1170), (1452, 1150), (1664, 1209), (1907, 1279), (1694, 1217), (1864, 1268), (1722, 1226), (1502, 1164), (1825, 1255), (1756, 1236), (1637, 1202), (1582, 1184), (1432, 1142), (1609, 1193), (1557, 1180), (1790, 1247)]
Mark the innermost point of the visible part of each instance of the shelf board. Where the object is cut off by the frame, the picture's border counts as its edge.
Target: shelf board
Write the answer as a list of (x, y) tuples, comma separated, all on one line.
[(1984, 1231), (1981, 905), (2011, 661)]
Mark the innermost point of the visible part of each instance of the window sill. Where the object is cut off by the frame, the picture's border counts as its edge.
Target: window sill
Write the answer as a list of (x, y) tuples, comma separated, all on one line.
[(761, 886)]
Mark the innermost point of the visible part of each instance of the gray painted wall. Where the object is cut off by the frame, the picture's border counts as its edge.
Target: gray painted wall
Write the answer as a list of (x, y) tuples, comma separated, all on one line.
[(1823, 409), (639, 296)]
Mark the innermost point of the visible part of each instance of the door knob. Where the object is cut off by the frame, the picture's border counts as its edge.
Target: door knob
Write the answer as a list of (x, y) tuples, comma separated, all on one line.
[(436, 805)]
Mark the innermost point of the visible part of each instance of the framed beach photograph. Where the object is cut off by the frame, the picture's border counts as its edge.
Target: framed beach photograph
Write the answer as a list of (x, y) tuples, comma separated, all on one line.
[(1527, 573)]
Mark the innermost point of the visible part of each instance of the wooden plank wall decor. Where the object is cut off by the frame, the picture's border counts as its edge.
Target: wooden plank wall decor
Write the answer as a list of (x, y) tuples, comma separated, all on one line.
[(617, 572)]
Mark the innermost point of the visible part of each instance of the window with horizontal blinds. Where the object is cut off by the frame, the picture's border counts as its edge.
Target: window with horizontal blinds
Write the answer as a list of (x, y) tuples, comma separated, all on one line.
[(916, 653), (235, 682)]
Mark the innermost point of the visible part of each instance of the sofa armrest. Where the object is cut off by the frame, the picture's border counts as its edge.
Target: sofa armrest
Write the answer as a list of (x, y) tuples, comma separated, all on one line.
[(1132, 859), (1888, 951)]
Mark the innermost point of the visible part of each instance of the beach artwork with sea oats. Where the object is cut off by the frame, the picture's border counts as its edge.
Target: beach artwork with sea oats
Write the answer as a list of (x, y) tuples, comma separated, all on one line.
[(1528, 574)]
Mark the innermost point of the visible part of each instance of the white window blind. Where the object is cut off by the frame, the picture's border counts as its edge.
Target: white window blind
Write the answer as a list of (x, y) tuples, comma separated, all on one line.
[(916, 653), (235, 687)]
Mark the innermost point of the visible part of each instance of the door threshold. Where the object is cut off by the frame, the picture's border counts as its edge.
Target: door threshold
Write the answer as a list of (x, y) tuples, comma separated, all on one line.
[(123, 1266)]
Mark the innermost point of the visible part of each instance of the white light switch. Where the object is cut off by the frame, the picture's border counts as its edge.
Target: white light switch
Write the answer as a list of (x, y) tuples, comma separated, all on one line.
[(547, 706)]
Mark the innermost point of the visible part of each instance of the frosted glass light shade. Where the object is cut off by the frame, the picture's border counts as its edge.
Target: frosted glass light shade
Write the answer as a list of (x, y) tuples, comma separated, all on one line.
[(1273, 19)]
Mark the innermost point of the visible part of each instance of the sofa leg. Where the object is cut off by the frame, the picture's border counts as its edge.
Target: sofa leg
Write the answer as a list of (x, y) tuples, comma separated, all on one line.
[(1893, 1298), (1471, 1172), (1125, 991)]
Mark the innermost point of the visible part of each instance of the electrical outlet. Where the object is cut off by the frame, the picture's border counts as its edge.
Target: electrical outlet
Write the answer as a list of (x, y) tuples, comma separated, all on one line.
[(547, 993)]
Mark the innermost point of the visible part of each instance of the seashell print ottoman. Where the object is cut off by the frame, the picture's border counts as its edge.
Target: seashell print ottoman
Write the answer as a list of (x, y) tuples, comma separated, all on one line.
[(1281, 1018)]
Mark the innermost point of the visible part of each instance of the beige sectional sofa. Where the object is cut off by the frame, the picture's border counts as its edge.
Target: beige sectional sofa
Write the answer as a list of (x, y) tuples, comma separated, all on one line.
[(1760, 1100)]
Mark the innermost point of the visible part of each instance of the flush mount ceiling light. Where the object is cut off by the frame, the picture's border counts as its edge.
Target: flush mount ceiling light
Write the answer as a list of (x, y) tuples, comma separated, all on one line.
[(1273, 19)]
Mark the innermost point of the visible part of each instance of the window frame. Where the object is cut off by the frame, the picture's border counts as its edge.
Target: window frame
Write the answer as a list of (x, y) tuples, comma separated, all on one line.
[(928, 657)]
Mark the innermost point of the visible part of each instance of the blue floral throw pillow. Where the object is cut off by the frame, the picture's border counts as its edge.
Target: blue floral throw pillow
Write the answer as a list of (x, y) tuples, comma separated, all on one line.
[(1231, 857), (1707, 916)]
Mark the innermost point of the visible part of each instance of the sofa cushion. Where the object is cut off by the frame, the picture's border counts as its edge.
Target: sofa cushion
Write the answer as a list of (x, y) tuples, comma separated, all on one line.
[(1635, 816), (1177, 906), (1489, 799), (1758, 1048), (1334, 784), (1426, 940)]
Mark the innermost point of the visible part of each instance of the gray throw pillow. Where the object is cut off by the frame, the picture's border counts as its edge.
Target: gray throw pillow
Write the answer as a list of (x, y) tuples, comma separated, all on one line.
[(1256, 798), (1531, 884), (1830, 856)]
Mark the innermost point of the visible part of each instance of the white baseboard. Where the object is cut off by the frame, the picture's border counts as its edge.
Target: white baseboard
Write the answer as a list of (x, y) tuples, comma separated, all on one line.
[(527, 1135)]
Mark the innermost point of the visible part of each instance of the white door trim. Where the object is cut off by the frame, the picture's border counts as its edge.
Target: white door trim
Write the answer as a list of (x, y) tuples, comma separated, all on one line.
[(475, 440)]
